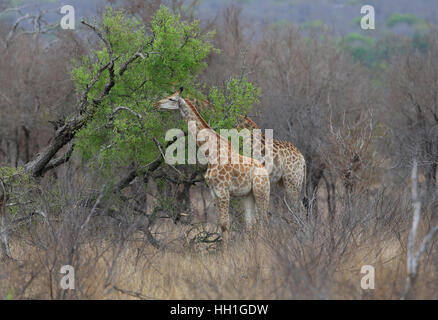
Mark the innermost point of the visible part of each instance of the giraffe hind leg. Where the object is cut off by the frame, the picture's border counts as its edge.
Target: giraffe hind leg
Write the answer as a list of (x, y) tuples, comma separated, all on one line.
[(292, 186), (261, 192), (250, 211)]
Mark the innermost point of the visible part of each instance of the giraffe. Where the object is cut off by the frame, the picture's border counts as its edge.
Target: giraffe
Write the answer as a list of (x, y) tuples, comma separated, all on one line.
[(289, 165), (245, 178)]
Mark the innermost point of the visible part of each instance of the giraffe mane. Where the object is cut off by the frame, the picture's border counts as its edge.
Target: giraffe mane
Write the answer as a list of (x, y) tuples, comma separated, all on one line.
[(251, 123), (204, 123), (191, 106), (247, 123)]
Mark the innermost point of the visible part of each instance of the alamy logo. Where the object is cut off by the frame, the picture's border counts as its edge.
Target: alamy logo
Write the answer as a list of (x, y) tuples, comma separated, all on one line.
[(68, 20), (214, 148), (367, 22), (367, 281), (68, 281)]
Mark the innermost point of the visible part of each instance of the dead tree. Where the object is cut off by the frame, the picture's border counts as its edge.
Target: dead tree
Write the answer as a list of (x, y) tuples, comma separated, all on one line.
[(4, 222), (413, 258)]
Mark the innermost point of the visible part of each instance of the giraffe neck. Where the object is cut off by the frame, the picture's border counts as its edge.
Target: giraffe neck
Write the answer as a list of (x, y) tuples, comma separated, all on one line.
[(189, 113), (271, 143), (262, 140)]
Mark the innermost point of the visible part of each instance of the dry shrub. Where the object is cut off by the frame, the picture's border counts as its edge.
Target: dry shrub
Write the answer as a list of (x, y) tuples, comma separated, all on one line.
[(304, 259)]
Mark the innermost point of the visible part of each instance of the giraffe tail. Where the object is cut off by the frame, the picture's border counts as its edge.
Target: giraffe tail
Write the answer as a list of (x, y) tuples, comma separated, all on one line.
[(305, 200)]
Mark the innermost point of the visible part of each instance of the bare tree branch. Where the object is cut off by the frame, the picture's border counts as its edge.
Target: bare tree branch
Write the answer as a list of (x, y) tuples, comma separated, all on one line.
[(54, 163), (138, 295)]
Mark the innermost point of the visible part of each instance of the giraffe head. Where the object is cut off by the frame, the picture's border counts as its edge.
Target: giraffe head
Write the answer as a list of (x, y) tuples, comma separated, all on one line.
[(171, 102), (185, 107), (245, 122)]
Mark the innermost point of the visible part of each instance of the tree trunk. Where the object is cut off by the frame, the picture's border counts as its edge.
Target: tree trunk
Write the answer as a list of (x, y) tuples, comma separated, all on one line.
[(430, 173), (26, 144), (4, 225), (62, 136), (17, 147)]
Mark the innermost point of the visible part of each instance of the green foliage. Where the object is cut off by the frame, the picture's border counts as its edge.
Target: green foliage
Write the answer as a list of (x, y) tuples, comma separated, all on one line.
[(398, 18), (362, 48), (15, 176), (19, 184), (280, 24), (235, 98), (314, 24), (174, 54), (356, 21), (420, 41), (10, 294), (357, 38), (375, 53)]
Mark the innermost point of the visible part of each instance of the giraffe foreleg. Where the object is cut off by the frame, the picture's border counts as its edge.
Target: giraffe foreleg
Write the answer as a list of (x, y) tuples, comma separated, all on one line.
[(261, 192), (222, 203)]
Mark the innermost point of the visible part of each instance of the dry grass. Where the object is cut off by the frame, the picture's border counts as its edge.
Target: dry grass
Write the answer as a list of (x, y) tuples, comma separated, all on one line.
[(316, 258), (282, 262)]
